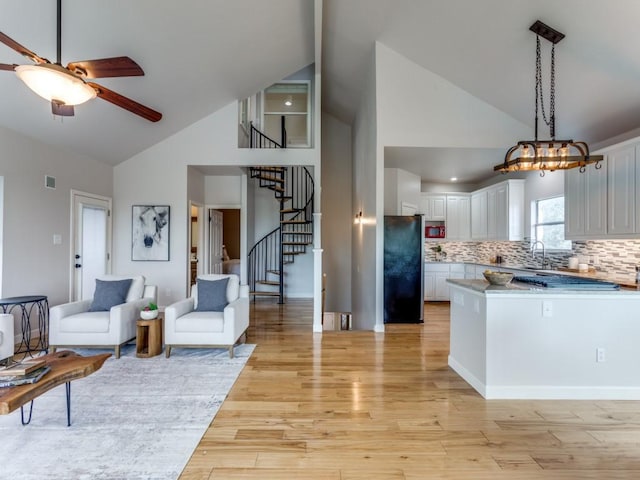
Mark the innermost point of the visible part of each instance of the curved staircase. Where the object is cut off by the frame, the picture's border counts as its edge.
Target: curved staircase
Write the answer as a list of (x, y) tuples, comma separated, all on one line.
[(293, 189)]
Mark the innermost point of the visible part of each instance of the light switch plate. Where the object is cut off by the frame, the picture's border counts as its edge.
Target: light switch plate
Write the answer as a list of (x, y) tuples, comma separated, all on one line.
[(57, 239)]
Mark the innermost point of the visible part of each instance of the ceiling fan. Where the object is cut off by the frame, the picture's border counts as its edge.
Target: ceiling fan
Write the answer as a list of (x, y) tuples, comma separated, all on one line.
[(66, 86)]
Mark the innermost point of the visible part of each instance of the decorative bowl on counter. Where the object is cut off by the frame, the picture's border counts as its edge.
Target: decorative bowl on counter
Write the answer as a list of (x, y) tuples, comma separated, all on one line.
[(498, 278)]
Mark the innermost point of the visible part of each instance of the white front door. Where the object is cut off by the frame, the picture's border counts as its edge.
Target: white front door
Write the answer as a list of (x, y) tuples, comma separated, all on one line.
[(215, 241), (91, 245)]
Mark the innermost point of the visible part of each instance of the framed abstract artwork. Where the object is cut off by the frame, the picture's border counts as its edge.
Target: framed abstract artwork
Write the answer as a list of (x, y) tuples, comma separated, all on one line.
[(150, 233)]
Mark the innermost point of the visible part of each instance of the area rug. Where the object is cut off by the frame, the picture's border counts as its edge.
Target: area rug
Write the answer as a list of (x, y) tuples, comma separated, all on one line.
[(134, 419)]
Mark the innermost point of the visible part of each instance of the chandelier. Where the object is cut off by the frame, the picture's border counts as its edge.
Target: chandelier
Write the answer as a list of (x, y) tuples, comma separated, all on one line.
[(550, 154)]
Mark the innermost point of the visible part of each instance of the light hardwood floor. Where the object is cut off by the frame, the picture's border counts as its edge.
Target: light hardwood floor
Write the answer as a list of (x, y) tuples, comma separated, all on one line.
[(360, 405)]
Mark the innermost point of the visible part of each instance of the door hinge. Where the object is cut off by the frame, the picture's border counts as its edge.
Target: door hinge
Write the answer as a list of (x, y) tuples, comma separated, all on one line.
[(108, 256), (108, 213)]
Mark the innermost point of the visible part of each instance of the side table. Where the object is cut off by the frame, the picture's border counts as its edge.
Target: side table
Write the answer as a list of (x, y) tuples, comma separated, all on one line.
[(149, 337), (27, 305)]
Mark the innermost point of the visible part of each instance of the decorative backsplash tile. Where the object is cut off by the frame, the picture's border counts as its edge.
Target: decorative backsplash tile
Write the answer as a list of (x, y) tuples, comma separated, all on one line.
[(609, 256)]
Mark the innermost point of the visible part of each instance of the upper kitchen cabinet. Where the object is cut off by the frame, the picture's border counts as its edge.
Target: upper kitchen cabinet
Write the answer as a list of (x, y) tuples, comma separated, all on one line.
[(401, 192), (585, 203), (479, 215), (433, 207), (601, 203), (497, 212), (621, 190), (458, 218)]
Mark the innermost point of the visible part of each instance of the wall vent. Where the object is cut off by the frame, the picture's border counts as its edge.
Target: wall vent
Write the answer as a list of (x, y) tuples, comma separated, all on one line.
[(50, 182)]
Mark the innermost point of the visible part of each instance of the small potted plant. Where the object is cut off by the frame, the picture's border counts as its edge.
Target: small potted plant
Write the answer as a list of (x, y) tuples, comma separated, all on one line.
[(149, 312), (438, 252)]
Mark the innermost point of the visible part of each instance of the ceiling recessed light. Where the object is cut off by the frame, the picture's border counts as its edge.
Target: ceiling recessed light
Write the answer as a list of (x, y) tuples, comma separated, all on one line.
[(289, 101), (454, 179)]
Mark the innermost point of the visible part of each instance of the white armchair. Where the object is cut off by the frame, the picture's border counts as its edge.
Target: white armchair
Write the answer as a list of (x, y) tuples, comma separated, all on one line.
[(7, 341), (73, 325), (185, 326)]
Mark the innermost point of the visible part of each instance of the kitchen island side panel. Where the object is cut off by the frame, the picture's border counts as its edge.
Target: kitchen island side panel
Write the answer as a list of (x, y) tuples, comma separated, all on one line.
[(543, 346)]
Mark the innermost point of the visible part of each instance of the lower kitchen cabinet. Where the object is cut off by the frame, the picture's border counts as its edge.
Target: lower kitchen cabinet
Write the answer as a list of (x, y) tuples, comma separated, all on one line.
[(436, 275)]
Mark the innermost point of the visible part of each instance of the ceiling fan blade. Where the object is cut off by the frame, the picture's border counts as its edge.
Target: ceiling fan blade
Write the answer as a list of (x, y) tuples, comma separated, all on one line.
[(106, 67), (4, 66), (126, 103), (61, 109), (11, 43)]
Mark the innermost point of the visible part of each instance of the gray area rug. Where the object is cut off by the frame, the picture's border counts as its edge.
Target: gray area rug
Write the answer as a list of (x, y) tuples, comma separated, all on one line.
[(135, 418)]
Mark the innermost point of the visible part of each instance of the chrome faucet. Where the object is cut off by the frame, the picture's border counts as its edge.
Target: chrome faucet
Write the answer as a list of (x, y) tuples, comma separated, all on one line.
[(533, 252)]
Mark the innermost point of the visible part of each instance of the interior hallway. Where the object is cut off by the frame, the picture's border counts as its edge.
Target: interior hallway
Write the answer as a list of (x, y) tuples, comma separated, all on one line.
[(360, 405)]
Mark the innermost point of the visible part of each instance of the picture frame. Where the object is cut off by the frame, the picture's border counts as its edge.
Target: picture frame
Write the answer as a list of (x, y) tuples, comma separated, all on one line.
[(150, 226)]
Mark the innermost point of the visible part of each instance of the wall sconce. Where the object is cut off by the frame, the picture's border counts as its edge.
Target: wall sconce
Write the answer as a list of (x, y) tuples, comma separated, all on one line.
[(358, 219)]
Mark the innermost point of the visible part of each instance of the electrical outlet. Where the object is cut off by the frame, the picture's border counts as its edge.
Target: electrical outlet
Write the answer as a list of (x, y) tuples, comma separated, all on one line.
[(600, 355), (547, 308)]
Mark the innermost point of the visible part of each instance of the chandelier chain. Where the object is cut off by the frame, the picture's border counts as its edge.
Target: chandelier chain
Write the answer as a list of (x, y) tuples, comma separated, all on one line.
[(539, 93)]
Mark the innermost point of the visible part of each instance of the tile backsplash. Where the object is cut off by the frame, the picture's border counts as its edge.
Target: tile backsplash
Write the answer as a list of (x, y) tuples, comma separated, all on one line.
[(609, 256)]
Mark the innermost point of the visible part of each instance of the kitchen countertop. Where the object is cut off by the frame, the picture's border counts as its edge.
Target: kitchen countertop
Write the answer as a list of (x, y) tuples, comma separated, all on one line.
[(625, 281), (482, 286)]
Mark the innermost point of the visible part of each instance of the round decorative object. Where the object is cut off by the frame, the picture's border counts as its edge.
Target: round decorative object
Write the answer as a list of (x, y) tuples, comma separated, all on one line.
[(148, 314), (498, 278)]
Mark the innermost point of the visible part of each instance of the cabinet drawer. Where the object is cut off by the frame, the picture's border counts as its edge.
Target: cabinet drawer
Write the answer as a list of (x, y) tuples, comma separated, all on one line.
[(436, 267)]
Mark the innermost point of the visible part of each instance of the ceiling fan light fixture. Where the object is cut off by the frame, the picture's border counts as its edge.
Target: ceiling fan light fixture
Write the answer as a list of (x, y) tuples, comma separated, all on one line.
[(550, 154), (55, 83)]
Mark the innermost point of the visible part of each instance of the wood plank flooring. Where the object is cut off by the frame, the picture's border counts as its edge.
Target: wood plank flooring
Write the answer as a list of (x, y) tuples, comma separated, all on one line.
[(363, 406)]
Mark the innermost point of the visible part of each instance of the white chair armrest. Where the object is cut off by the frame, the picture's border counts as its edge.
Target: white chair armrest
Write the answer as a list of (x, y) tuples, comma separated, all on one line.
[(236, 316), (179, 309), (244, 291), (67, 309)]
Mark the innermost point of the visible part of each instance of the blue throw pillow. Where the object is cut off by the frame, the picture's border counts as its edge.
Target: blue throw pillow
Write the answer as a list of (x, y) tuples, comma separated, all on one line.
[(109, 293), (212, 295)]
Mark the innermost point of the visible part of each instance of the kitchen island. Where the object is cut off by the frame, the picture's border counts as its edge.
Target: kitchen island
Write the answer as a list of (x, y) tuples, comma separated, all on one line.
[(523, 342)]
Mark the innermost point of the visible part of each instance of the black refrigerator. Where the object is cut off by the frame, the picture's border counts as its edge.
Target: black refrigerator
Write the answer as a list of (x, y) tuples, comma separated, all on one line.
[(403, 269)]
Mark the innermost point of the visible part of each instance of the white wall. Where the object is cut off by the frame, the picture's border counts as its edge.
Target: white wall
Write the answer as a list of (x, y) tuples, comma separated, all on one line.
[(32, 264), (417, 108), (400, 187), (365, 193), (223, 189), (210, 141), (337, 213)]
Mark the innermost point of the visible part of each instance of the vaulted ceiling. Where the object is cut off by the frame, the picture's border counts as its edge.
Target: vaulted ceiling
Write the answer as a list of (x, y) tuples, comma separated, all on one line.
[(199, 55)]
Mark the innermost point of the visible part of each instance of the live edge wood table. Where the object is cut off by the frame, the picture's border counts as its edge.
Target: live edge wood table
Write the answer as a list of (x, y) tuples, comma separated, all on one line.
[(65, 367)]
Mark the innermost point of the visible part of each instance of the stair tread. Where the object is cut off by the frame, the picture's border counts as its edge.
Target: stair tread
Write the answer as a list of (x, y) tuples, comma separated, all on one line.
[(296, 243), (275, 188), (290, 210), (264, 294), (299, 222), (267, 282), (297, 233), (275, 272), (293, 253), (270, 178)]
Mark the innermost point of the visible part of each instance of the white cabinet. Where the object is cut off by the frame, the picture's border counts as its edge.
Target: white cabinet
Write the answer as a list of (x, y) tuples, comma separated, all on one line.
[(434, 207), (497, 212), (458, 223), (621, 186), (585, 203), (436, 287), (479, 215), (469, 271)]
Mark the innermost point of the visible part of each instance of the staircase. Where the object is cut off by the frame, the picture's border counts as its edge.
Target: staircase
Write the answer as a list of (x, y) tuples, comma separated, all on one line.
[(293, 189)]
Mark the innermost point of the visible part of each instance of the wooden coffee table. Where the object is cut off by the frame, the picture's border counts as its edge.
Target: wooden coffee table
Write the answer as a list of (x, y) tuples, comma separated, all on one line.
[(65, 367)]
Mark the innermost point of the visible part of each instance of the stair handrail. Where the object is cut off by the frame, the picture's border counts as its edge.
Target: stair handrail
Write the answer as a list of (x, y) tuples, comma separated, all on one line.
[(257, 139)]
